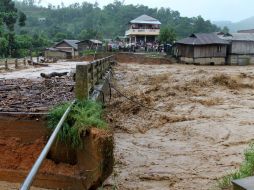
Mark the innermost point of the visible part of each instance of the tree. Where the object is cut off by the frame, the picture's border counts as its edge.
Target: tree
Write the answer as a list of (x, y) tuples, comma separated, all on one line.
[(225, 30), (22, 19), (60, 36), (3, 47), (89, 34), (23, 44), (9, 16), (167, 35), (87, 20)]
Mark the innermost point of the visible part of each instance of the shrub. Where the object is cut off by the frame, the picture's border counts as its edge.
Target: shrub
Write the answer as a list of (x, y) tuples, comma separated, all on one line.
[(246, 169), (83, 115)]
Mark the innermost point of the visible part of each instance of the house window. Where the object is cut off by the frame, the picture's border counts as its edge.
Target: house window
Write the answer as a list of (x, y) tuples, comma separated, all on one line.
[(219, 49)]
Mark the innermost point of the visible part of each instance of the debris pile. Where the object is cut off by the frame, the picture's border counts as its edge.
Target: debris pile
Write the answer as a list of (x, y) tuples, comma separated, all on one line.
[(26, 95)]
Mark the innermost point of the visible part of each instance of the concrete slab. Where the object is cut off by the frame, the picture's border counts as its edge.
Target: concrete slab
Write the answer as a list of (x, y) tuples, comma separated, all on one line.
[(244, 184)]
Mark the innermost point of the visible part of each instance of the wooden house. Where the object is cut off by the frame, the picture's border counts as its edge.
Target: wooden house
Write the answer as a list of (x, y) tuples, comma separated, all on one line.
[(89, 45), (57, 53), (241, 48), (68, 46), (144, 29), (202, 48)]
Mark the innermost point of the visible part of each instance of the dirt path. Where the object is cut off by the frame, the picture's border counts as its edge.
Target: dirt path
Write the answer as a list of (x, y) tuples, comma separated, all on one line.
[(204, 123)]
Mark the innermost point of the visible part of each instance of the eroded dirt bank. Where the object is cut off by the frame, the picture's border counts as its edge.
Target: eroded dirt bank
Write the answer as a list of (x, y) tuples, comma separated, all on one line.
[(204, 123)]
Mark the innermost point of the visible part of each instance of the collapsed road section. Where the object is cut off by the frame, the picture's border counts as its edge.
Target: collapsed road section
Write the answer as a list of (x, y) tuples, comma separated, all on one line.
[(24, 133)]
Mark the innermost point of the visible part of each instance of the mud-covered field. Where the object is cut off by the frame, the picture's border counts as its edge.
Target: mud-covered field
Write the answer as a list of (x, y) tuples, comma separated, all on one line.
[(201, 123)]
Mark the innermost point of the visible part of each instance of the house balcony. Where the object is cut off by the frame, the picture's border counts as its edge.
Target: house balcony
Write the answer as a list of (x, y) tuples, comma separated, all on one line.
[(143, 32)]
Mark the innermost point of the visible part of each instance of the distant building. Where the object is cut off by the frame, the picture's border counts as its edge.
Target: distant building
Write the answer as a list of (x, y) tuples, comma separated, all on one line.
[(42, 19), (241, 48), (201, 48), (89, 45), (57, 53), (62, 50), (68, 46), (143, 29)]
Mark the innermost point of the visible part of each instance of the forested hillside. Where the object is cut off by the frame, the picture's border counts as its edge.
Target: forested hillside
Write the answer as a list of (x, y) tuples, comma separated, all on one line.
[(79, 21), (245, 24), (27, 27)]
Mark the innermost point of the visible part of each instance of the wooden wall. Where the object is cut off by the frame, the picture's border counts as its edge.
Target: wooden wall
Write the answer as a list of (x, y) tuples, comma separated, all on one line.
[(83, 46), (88, 46), (210, 51), (242, 47), (200, 51), (66, 47), (184, 51), (56, 54)]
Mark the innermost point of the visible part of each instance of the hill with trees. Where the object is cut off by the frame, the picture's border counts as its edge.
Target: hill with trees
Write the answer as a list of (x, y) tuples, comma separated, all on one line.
[(245, 24), (79, 21), (46, 25)]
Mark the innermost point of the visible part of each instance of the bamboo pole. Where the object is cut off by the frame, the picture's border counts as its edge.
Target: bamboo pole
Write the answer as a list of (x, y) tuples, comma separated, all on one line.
[(16, 63), (6, 64)]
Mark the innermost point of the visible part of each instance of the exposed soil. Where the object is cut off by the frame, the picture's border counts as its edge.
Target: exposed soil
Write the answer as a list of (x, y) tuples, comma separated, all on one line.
[(203, 123), (19, 151), (141, 58), (18, 156)]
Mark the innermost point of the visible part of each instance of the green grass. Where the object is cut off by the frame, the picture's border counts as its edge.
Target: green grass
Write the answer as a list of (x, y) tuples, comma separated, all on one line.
[(82, 116), (246, 169)]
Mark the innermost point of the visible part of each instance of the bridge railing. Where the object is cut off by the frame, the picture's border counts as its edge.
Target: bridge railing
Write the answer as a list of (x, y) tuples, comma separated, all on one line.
[(88, 75)]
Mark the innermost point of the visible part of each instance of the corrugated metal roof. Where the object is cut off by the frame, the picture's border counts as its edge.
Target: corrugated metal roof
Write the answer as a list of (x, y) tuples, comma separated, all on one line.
[(246, 31), (91, 40), (96, 41), (238, 37), (202, 39), (72, 43), (145, 19)]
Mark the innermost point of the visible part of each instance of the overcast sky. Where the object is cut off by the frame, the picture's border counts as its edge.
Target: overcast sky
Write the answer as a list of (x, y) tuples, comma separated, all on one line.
[(233, 10)]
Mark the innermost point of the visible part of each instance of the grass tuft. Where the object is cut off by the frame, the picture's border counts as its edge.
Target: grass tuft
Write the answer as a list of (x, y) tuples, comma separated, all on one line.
[(246, 169), (83, 116)]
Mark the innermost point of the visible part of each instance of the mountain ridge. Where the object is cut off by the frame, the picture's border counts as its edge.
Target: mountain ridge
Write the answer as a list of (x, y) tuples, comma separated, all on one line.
[(245, 24)]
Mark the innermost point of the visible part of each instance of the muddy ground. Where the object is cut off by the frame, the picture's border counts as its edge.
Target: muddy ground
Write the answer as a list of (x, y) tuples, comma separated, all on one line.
[(201, 123)]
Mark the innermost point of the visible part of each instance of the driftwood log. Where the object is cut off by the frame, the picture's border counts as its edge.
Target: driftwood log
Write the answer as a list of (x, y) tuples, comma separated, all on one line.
[(41, 64), (54, 74), (37, 64)]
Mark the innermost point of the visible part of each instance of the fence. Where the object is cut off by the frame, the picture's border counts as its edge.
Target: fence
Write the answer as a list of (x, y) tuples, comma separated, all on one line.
[(5, 63), (87, 75)]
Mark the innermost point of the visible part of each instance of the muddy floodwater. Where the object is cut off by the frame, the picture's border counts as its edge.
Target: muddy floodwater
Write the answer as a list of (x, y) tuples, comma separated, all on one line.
[(200, 126)]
